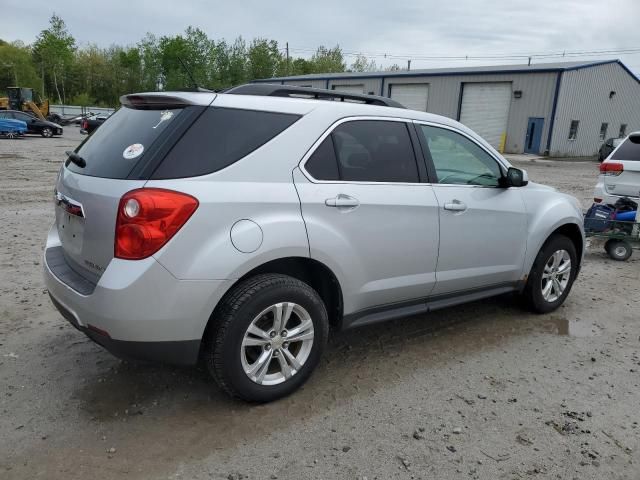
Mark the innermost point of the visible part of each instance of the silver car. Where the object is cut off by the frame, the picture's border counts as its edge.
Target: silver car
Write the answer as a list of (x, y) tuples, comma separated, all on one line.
[(239, 228)]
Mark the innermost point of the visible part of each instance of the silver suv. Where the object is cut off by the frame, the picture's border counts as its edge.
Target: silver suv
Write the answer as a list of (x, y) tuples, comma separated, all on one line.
[(240, 228)]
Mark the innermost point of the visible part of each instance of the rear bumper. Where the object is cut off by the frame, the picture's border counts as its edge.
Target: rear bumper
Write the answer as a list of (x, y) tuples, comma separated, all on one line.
[(184, 352), (137, 310), (609, 198)]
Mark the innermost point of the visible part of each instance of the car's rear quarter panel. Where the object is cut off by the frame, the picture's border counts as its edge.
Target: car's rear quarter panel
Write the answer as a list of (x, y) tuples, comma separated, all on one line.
[(265, 194)]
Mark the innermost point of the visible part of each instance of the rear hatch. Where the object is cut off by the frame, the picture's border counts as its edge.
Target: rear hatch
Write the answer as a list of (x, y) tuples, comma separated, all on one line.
[(622, 173), (120, 156)]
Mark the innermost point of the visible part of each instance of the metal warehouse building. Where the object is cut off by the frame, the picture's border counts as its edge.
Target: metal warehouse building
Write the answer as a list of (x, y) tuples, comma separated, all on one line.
[(558, 109)]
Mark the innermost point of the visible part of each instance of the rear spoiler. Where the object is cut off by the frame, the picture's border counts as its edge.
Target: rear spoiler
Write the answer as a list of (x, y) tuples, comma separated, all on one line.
[(151, 101)]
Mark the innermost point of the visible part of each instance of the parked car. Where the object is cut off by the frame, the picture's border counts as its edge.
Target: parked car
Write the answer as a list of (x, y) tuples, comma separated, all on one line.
[(34, 125), (239, 228), (89, 124), (12, 128), (607, 147), (620, 173), (70, 120)]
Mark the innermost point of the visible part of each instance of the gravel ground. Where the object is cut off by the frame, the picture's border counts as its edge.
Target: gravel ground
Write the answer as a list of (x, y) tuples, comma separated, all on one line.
[(480, 391)]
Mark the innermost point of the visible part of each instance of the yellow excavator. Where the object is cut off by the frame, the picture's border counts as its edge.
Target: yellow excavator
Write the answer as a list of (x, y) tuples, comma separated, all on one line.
[(25, 100)]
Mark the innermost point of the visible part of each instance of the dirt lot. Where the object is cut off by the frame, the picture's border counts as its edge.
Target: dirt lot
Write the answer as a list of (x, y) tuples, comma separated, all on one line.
[(482, 391)]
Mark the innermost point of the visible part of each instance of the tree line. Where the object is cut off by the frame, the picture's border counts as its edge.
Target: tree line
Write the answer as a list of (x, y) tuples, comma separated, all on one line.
[(64, 72)]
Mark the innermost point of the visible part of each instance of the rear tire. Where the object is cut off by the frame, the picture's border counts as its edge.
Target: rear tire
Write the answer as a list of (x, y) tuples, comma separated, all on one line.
[(252, 350), (618, 250), (552, 275)]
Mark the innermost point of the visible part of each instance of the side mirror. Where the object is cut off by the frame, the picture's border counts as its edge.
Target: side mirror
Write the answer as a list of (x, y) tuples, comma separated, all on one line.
[(635, 138), (516, 178)]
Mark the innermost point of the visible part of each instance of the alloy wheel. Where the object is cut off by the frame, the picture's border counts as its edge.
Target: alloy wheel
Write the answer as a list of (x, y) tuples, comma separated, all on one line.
[(556, 275), (277, 343)]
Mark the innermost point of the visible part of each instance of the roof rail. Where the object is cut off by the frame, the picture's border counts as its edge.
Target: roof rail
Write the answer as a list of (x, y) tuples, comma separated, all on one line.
[(277, 90)]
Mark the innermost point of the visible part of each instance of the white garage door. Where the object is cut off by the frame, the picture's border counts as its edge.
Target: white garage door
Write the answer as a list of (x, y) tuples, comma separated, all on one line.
[(485, 109), (413, 96), (359, 89)]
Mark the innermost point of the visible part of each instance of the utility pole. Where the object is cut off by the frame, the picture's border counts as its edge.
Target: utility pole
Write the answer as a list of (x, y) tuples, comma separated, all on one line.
[(408, 64), (287, 58)]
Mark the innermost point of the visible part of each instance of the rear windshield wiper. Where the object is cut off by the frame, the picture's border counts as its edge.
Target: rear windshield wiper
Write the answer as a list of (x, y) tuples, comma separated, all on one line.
[(77, 159)]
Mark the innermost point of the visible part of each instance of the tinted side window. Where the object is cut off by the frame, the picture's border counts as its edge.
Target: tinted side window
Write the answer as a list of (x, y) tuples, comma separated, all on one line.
[(628, 150), (220, 137), (23, 116), (322, 164), (460, 161), (375, 151)]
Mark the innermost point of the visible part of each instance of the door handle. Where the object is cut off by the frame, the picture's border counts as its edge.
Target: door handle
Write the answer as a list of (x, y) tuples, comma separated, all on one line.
[(455, 206), (342, 201)]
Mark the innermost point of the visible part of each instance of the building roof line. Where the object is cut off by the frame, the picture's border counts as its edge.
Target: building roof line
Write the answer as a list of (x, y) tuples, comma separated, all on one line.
[(486, 70)]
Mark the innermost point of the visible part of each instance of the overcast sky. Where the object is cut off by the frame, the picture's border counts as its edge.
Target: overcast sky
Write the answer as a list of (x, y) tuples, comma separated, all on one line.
[(416, 28)]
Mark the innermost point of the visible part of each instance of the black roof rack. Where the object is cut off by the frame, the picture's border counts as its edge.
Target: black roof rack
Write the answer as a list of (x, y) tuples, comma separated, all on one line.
[(277, 90)]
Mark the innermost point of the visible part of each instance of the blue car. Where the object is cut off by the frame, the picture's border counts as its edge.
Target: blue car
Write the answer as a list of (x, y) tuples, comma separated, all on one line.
[(12, 128)]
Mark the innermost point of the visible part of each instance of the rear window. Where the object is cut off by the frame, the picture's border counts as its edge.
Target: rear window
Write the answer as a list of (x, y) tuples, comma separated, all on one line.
[(116, 147), (220, 137), (629, 150)]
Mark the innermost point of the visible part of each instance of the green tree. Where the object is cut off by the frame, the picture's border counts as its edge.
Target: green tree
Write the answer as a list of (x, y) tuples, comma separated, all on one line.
[(199, 55), (151, 68), (96, 75), (237, 72), (53, 52), (264, 58), (363, 64), (16, 67), (301, 66), (328, 60)]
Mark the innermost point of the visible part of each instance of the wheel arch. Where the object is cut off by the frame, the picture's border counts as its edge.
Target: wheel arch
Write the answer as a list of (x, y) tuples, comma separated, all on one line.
[(314, 273), (574, 233), (566, 227)]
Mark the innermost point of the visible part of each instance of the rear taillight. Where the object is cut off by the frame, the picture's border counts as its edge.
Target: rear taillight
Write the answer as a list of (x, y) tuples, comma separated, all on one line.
[(148, 218), (611, 168), (85, 124)]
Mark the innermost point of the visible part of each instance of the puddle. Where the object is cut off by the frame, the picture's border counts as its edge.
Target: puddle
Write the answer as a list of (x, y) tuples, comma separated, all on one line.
[(564, 326)]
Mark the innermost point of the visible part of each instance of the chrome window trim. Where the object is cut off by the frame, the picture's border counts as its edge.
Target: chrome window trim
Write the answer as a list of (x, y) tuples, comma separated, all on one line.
[(501, 162), (330, 130)]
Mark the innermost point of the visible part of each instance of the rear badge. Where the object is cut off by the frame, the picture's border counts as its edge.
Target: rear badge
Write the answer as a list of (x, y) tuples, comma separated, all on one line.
[(133, 151), (164, 116)]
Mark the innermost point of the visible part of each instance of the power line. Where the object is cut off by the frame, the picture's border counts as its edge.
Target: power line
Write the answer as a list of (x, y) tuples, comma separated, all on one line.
[(503, 56)]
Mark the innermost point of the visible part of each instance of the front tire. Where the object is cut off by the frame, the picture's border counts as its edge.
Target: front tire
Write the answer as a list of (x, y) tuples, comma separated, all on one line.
[(267, 337), (552, 275), (46, 132)]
